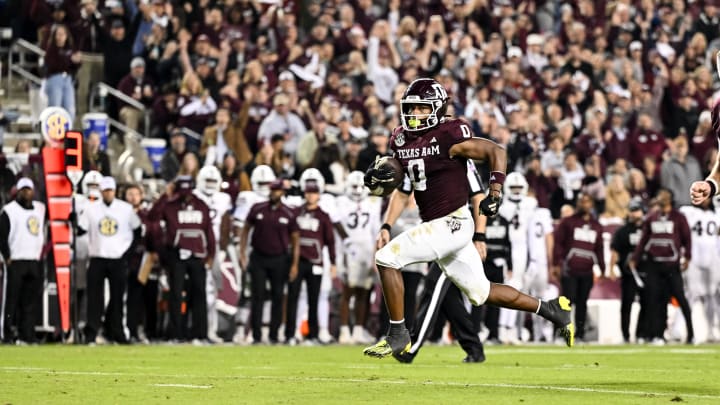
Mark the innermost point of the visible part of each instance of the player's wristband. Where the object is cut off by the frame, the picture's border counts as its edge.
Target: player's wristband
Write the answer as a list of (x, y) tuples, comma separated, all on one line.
[(479, 237), (713, 187), (497, 177), (386, 227)]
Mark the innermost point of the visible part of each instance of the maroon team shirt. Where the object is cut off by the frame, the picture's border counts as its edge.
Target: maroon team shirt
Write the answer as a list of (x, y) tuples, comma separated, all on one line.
[(439, 181), (316, 232), (578, 245), (187, 224), (272, 226), (664, 238)]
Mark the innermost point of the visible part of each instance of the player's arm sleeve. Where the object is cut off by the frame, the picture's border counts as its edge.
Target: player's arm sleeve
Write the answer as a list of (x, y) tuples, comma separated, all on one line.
[(4, 234)]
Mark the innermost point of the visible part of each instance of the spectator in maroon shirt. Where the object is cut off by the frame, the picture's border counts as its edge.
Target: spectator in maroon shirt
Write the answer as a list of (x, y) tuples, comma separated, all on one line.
[(61, 63), (578, 254), (275, 235), (703, 139)]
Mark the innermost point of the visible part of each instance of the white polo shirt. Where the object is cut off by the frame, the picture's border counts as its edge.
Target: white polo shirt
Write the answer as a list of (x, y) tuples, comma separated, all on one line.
[(27, 230)]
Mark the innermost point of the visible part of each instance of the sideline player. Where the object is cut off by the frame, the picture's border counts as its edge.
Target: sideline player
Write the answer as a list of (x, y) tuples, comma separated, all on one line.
[(360, 215), (518, 209), (433, 151), (219, 203)]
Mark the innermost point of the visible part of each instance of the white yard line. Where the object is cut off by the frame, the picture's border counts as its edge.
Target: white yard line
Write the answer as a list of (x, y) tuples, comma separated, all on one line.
[(362, 381), (204, 387)]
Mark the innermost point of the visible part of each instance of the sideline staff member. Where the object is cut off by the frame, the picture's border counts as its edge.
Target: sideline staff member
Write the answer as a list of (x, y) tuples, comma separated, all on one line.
[(274, 230), (113, 228), (22, 236)]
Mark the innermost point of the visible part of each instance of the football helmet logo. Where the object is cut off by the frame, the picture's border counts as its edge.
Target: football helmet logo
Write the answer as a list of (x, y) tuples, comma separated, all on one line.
[(423, 92)]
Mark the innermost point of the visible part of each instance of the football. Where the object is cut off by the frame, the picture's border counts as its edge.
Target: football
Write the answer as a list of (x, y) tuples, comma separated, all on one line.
[(389, 175)]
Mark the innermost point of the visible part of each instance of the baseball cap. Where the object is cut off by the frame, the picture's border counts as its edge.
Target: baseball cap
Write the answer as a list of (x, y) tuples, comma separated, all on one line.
[(117, 23), (277, 184), (25, 182), (636, 46), (107, 183), (137, 62), (203, 38), (184, 183), (636, 204), (534, 39)]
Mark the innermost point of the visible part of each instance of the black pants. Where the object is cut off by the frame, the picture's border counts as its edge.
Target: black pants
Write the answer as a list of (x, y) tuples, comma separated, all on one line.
[(194, 268), (263, 268), (312, 281), (141, 305), (441, 296), (487, 313), (664, 281), (577, 289), (115, 270), (22, 297), (629, 290)]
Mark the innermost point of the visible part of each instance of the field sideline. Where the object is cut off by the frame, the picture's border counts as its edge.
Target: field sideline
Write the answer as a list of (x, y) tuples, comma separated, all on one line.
[(340, 374)]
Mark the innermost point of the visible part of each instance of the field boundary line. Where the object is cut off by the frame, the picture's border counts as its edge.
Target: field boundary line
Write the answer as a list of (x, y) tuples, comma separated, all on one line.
[(368, 380)]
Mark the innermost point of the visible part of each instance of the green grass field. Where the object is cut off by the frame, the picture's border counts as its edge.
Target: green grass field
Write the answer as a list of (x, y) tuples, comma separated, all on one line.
[(340, 374)]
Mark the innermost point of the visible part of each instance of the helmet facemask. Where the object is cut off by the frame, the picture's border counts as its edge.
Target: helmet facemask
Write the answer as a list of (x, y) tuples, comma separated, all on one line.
[(418, 122)]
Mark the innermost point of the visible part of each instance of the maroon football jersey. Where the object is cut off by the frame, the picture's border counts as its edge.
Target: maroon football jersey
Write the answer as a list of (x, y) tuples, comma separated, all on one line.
[(440, 182)]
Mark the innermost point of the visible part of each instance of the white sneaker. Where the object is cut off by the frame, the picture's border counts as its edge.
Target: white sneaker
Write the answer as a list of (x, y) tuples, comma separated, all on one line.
[(362, 336), (345, 338), (325, 337), (239, 336), (214, 338), (658, 342)]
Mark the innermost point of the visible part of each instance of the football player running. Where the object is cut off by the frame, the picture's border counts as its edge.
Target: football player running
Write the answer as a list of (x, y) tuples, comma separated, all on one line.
[(434, 150), (207, 189)]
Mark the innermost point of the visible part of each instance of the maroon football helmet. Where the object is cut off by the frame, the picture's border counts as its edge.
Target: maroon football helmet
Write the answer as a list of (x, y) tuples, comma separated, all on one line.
[(428, 92)]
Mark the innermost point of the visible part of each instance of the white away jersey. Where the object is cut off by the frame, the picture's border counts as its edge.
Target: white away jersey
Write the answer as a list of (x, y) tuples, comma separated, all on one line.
[(519, 215), (704, 232), (245, 201), (361, 219), (218, 204), (540, 226), (327, 203)]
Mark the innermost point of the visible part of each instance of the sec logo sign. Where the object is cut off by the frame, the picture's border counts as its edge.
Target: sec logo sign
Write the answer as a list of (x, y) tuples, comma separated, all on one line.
[(54, 123)]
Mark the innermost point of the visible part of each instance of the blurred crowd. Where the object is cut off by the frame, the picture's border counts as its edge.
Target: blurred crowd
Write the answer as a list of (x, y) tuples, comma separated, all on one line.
[(611, 98)]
